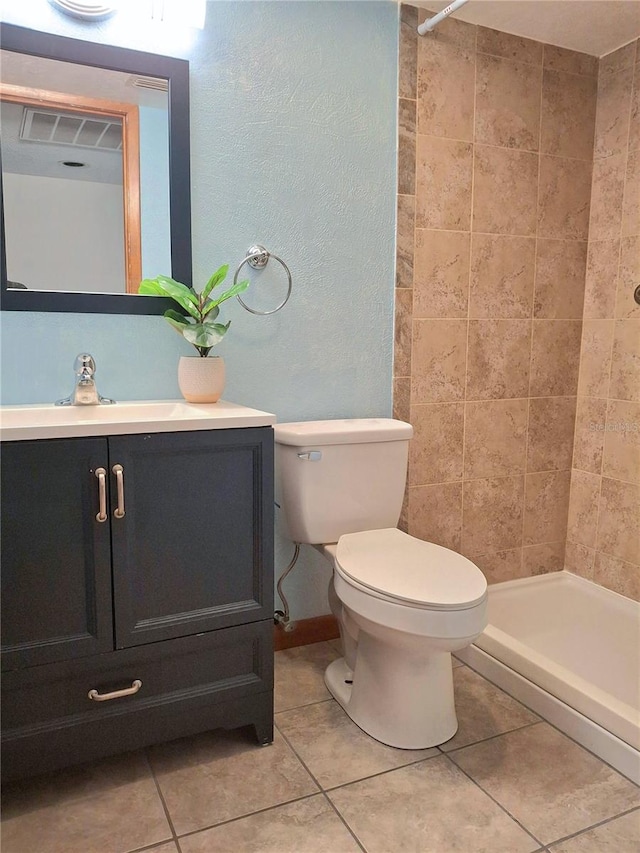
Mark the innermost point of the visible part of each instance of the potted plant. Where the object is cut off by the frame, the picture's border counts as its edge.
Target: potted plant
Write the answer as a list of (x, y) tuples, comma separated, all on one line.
[(201, 379)]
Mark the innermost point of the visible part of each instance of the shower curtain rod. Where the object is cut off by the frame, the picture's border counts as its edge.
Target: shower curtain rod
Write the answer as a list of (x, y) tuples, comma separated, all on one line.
[(429, 24)]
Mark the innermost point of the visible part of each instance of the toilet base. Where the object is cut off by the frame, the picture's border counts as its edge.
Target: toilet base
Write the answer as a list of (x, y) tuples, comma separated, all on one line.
[(404, 704)]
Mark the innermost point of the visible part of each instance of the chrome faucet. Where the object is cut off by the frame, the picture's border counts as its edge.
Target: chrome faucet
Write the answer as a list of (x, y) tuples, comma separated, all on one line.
[(85, 392)]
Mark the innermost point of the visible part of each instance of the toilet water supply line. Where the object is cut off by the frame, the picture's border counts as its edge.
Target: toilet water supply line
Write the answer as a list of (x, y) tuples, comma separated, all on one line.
[(428, 25), (282, 617)]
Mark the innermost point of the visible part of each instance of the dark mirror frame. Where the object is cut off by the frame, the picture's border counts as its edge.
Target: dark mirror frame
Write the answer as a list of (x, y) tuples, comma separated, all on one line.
[(176, 71)]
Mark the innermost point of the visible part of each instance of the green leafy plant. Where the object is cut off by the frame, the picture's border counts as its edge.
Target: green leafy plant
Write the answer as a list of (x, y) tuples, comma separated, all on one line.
[(198, 325)]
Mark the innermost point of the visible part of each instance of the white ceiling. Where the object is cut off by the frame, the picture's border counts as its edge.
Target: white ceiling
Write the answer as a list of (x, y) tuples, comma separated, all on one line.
[(590, 26), (47, 159)]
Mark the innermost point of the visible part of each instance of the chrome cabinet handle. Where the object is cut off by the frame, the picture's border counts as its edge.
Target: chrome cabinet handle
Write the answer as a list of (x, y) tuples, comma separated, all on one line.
[(118, 470), (101, 474), (116, 694)]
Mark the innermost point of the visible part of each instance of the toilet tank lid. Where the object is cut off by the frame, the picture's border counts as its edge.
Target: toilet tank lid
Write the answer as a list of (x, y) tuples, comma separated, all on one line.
[(346, 431)]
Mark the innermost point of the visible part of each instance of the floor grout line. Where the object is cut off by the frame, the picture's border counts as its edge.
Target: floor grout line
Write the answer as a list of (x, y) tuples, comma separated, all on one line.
[(174, 835), (155, 846), (304, 705), (304, 764), (494, 736), (593, 826), (370, 776), (344, 821), (323, 791), (386, 772), (553, 726), (497, 803), (230, 820)]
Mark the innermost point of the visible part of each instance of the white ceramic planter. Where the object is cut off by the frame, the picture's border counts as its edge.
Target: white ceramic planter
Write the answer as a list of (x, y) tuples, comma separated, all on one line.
[(201, 380)]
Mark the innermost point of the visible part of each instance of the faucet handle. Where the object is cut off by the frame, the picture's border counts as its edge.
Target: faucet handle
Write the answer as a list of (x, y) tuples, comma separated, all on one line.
[(84, 365), (85, 392)]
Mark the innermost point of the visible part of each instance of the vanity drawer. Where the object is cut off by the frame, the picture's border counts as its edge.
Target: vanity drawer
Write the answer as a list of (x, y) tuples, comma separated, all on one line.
[(219, 679)]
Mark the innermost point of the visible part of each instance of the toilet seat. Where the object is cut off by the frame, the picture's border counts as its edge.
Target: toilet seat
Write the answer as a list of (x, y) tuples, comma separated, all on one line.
[(399, 568)]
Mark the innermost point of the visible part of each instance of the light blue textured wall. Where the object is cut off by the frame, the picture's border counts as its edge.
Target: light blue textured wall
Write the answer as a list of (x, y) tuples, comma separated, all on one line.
[(293, 110)]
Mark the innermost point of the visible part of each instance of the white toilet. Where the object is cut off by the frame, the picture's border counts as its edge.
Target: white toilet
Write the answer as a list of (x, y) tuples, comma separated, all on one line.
[(403, 605)]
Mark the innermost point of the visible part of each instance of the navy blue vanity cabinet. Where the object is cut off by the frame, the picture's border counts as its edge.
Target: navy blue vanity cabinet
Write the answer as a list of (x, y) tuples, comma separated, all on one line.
[(137, 592)]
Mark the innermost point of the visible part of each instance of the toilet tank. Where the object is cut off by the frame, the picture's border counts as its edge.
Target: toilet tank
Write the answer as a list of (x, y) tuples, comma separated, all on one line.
[(340, 476)]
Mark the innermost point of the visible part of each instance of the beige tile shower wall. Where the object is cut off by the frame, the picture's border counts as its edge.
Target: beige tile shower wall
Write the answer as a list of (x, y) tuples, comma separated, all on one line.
[(494, 180), (603, 541)]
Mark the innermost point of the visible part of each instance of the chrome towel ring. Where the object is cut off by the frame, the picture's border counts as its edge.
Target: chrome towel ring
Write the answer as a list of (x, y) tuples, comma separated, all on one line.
[(257, 258)]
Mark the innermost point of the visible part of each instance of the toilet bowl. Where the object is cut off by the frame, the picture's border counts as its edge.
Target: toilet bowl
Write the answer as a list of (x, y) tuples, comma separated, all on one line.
[(403, 605)]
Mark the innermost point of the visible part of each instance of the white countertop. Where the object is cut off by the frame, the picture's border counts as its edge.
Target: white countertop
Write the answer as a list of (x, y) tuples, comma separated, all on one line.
[(21, 423)]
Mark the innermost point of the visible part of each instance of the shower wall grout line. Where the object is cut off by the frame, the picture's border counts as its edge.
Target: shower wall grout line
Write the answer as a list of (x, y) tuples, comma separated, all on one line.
[(470, 256), (533, 305), (517, 150)]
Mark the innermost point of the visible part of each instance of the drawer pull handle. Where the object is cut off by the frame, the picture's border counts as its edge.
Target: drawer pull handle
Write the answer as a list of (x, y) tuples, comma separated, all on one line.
[(118, 470), (116, 694), (101, 474)]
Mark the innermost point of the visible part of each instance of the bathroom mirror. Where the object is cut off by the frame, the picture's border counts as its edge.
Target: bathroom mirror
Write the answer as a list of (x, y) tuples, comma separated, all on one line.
[(94, 147)]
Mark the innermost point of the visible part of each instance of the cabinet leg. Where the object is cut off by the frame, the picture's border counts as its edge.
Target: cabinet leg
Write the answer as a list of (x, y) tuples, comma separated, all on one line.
[(263, 728), (264, 733)]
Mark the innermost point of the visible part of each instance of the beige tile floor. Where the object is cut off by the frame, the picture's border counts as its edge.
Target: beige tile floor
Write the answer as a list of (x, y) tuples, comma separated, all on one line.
[(508, 782)]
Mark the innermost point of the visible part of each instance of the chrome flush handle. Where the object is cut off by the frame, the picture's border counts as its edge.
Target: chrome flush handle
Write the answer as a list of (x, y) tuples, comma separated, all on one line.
[(311, 456)]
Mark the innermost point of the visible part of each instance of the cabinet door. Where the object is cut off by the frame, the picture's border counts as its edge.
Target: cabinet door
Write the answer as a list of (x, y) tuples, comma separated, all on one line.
[(56, 562), (194, 550)]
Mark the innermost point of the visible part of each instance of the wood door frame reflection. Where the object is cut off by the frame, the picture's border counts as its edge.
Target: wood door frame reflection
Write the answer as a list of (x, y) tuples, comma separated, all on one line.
[(129, 115)]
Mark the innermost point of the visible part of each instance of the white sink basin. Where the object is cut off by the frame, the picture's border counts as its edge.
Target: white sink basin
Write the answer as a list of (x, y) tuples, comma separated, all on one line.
[(20, 423)]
